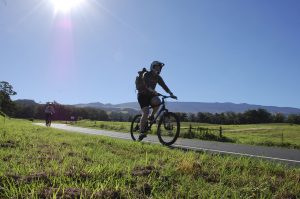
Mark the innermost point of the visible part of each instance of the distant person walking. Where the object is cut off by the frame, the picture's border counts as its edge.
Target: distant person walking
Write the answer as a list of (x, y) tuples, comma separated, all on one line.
[(147, 96), (49, 112)]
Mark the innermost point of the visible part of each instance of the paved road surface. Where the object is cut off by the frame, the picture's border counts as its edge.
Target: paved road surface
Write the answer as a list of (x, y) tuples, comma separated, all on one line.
[(289, 156)]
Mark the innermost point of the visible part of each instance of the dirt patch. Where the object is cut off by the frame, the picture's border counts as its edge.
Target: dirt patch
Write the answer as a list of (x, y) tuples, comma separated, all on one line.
[(89, 144), (210, 177), (7, 158), (42, 146), (64, 144), (87, 159), (274, 184), (72, 154), (80, 175), (145, 171), (74, 193), (70, 193), (278, 173), (113, 194), (27, 179), (131, 183), (8, 144), (12, 177), (286, 195), (146, 189), (37, 177), (47, 193)]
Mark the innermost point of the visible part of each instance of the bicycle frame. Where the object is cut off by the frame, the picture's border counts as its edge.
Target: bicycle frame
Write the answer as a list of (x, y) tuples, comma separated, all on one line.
[(162, 109)]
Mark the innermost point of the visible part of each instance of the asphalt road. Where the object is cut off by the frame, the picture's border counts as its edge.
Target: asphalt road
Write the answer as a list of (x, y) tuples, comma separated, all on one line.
[(287, 156)]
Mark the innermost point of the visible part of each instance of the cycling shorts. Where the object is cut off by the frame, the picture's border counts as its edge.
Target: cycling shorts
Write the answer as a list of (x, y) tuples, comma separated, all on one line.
[(145, 100)]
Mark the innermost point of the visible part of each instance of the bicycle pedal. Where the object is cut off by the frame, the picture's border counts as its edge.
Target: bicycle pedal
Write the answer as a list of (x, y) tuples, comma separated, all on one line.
[(142, 136)]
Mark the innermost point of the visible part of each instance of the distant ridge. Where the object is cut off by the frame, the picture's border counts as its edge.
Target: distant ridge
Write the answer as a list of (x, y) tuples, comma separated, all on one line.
[(186, 107), (195, 107), (26, 102)]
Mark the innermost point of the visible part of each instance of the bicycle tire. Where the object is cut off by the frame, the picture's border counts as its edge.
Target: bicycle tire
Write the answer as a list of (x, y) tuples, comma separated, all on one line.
[(135, 127), (48, 123), (168, 140)]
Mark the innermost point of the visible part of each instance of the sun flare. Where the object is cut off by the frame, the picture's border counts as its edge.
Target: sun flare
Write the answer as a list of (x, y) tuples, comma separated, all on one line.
[(66, 6)]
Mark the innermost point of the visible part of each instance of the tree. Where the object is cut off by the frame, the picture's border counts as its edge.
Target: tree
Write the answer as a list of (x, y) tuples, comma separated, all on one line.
[(182, 117), (6, 104), (293, 119), (278, 118), (231, 118), (192, 118), (264, 116), (205, 117), (219, 118)]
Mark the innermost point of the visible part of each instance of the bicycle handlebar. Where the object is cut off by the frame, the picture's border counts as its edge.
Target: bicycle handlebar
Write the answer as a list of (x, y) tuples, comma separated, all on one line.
[(164, 96)]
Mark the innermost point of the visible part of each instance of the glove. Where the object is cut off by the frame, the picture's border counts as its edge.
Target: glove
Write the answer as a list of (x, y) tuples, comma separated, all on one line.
[(172, 95)]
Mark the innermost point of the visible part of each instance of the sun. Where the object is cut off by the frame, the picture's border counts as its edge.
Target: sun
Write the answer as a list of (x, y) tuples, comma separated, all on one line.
[(66, 6)]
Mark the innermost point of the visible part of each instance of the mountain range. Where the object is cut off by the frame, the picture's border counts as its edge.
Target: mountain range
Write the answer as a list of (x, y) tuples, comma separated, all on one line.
[(186, 107), (194, 107)]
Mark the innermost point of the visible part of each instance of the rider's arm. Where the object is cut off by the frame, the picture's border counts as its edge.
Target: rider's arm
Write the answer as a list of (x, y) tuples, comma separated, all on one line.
[(52, 110), (163, 85)]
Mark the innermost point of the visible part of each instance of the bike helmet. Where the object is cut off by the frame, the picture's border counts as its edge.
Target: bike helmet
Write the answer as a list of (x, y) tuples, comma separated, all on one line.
[(156, 63)]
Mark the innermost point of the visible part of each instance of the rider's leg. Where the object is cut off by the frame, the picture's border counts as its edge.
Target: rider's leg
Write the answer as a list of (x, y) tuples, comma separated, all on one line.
[(155, 103), (144, 119), (46, 119)]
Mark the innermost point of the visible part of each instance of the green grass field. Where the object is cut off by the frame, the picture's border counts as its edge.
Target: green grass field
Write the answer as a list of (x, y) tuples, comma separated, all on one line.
[(40, 162), (282, 135)]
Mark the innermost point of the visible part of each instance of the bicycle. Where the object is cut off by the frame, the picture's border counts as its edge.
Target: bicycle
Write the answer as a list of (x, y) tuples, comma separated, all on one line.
[(168, 127), (48, 120)]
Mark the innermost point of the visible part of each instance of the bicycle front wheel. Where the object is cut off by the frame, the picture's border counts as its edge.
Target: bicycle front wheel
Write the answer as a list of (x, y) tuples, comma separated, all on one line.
[(135, 127), (168, 128)]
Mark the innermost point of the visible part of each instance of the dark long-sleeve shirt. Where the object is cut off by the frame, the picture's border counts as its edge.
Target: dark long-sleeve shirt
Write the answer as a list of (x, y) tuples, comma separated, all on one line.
[(151, 80)]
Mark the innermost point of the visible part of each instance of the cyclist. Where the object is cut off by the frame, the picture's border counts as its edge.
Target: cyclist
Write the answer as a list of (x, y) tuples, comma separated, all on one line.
[(49, 111), (147, 96)]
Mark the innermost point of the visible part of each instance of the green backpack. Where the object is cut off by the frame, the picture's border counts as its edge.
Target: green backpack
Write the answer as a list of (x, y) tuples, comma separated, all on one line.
[(139, 81)]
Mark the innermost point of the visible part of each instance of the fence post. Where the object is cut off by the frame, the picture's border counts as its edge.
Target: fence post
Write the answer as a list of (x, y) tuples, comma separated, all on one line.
[(221, 131), (282, 138), (190, 133), (190, 129)]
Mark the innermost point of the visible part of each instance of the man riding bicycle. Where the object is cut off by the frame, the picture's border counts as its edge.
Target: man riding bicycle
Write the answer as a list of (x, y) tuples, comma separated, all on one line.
[(49, 111), (147, 96)]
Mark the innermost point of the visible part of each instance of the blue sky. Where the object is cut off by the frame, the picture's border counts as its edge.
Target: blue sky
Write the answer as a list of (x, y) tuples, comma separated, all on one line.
[(214, 50)]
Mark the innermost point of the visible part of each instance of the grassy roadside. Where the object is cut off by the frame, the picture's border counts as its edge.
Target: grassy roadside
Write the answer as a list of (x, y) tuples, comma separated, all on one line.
[(281, 135), (40, 162)]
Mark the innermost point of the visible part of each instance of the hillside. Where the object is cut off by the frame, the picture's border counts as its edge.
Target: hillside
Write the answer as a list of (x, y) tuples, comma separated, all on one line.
[(187, 107), (26, 102), (195, 107)]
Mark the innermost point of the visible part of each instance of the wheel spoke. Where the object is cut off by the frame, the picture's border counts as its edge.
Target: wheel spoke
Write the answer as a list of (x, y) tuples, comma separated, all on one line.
[(135, 127), (168, 129)]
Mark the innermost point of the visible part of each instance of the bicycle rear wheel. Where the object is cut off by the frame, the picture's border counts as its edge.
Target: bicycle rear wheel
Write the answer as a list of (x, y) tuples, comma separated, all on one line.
[(135, 127), (168, 128)]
